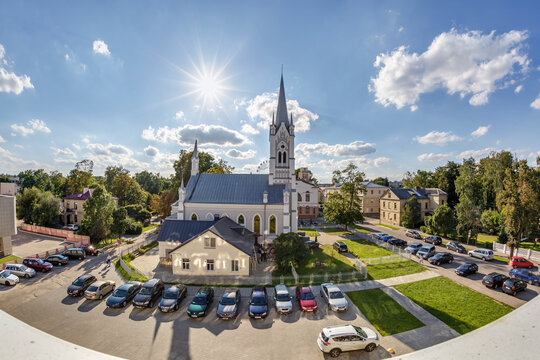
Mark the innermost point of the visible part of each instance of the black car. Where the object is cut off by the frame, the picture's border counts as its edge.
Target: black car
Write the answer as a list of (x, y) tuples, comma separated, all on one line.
[(201, 302), (79, 286), (512, 286), (494, 280), (172, 297), (151, 291), (258, 303), (454, 246), (435, 240), (57, 259), (75, 254), (340, 247), (441, 258), (312, 245), (397, 242), (229, 304), (466, 269), (123, 294)]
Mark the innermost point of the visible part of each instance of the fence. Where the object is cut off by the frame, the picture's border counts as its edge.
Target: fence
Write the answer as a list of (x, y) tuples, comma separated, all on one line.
[(526, 253), (43, 254), (387, 259), (66, 234)]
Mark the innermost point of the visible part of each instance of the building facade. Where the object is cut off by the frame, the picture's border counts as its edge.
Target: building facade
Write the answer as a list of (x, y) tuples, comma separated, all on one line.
[(371, 198), (393, 201), (8, 223), (308, 200), (9, 188), (73, 206)]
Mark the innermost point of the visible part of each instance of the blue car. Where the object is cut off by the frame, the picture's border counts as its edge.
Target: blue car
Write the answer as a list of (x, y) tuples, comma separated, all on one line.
[(201, 302), (525, 275), (123, 294), (258, 303), (386, 238)]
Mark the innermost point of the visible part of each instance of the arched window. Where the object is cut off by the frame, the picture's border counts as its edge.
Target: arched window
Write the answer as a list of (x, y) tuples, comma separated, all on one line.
[(279, 157), (194, 217), (307, 196), (257, 224), (299, 197), (272, 224), (241, 219), (284, 157)]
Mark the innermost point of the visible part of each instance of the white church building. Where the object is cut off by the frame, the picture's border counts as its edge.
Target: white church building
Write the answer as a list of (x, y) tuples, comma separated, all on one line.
[(264, 204)]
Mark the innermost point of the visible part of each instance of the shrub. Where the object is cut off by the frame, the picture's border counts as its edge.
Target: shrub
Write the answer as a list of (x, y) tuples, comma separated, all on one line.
[(133, 227)]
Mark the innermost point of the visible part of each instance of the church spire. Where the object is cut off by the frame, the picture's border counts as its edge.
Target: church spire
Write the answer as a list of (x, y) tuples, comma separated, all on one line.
[(281, 116), (195, 152)]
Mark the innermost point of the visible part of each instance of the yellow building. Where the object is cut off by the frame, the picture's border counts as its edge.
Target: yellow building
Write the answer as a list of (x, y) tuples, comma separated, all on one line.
[(371, 198), (393, 201), (73, 210)]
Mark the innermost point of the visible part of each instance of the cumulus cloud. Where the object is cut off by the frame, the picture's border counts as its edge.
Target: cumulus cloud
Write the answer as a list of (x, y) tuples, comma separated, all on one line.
[(481, 131), (31, 127), (248, 129), (437, 137), (100, 47), (380, 161), (432, 157), (151, 151), (12, 161), (204, 134), (536, 103), (476, 153), (179, 115), (356, 148), (518, 89), (2, 140), (9, 81), (263, 106), (109, 150), (67, 152), (238, 154), (470, 63)]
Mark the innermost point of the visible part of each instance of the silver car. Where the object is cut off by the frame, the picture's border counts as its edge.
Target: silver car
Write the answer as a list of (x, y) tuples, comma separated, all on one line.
[(8, 279), (282, 300), (21, 270), (335, 298), (99, 289)]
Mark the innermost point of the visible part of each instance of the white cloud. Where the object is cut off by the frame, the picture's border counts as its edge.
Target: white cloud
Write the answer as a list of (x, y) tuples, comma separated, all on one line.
[(468, 63), (536, 103), (179, 115), (248, 129), (73, 59), (356, 148), (481, 131), (432, 157), (518, 89), (12, 161), (109, 150), (67, 152), (151, 151), (476, 153), (76, 146), (380, 161), (31, 127), (9, 81), (437, 137), (100, 47), (238, 154), (86, 140), (18, 146), (401, 28), (204, 134), (263, 106), (534, 155), (2, 140)]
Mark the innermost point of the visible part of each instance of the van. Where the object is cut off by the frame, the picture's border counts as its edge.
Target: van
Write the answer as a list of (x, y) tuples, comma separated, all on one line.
[(75, 253), (426, 251), (20, 270)]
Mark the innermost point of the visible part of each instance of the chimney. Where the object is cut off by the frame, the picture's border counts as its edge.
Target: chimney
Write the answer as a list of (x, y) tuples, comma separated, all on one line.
[(216, 217)]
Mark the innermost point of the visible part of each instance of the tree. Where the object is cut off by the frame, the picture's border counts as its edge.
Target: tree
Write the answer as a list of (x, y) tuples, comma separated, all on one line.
[(443, 220), (38, 207), (98, 210), (138, 212), (492, 172), (111, 173), (469, 191), (445, 177), (78, 180), (161, 203), (127, 190), (48, 209), (419, 179), (152, 183), (312, 178), (58, 183), (34, 178), (491, 221), (344, 207), (382, 181), (27, 204), (410, 216), (119, 223), (207, 163), (289, 248), (468, 216)]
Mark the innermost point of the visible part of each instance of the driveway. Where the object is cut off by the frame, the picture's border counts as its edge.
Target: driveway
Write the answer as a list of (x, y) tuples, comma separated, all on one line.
[(29, 244)]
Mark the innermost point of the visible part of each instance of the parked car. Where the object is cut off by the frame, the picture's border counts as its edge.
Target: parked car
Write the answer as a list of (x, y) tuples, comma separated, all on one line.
[(57, 259), (75, 254), (201, 302), (123, 294), (340, 247), (441, 258), (435, 240), (413, 234), (150, 293), (481, 254), (454, 246), (312, 245), (229, 304), (99, 289), (258, 303), (172, 297), (397, 242), (413, 248), (379, 236), (282, 299), (8, 279), (523, 274), (386, 238), (336, 339), (466, 269), (79, 286), (426, 251), (305, 298), (513, 286), (37, 264), (334, 297), (494, 280), (90, 250), (72, 227), (520, 262), (20, 270)]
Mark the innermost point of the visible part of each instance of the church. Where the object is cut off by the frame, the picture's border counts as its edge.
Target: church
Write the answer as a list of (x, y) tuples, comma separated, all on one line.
[(264, 205)]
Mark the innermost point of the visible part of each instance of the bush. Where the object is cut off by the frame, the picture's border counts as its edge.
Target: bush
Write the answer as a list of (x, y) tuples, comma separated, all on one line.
[(289, 247), (424, 229), (133, 227), (138, 212)]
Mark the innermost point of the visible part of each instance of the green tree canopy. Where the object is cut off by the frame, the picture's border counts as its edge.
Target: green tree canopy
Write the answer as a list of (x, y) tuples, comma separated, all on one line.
[(207, 163), (443, 220), (78, 180), (119, 223), (38, 207), (289, 248), (381, 181), (446, 176), (111, 173), (419, 179), (411, 217), (98, 210), (491, 221)]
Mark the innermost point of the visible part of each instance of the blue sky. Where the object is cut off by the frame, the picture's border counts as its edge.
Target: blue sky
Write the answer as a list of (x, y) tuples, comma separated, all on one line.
[(390, 85)]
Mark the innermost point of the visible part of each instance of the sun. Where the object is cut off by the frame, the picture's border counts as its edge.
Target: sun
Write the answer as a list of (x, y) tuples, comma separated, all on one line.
[(208, 83)]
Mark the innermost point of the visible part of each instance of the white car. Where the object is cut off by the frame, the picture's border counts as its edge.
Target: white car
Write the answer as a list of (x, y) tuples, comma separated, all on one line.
[(21, 270), (481, 254), (8, 279), (72, 227), (336, 339), (282, 299), (334, 297)]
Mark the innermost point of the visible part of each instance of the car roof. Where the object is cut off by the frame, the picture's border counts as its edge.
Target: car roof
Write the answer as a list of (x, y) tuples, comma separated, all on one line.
[(85, 276), (494, 274), (331, 287), (518, 257), (32, 258), (305, 289), (281, 288), (151, 282), (338, 330), (203, 291), (100, 282)]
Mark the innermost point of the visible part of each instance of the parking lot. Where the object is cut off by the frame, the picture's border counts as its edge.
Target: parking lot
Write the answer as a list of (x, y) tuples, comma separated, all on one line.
[(29, 244)]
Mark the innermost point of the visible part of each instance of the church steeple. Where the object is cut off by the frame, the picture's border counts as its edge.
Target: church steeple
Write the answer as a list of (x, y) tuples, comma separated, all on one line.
[(281, 116), (195, 161)]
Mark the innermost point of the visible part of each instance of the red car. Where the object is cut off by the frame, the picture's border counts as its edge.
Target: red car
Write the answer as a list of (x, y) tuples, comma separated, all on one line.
[(90, 250), (306, 299), (520, 262), (38, 264)]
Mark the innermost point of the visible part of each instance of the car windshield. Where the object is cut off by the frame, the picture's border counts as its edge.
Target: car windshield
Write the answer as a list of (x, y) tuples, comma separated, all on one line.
[(283, 297), (463, 267), (360, 331), (306, 296), (120, 293), (23, 267), (146, 290), (92, 288), (5, 273), (227, 301), (199, 300), (258, 300), (171, 294), (336, 295), (41, 262), (78, 282)]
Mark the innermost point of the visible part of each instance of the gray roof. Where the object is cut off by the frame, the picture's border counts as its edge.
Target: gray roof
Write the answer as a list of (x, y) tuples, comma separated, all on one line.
[(371, 185), (435, 191), (232, 189), (404, 193), (182, 230)]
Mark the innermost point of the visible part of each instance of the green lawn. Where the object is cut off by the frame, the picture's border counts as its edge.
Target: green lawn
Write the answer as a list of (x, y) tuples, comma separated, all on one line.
[(383, 312), (459, 307), (360, 229), (529, 245), (335, 262), (384, 271), (501, 258), (149, 227), (364, 249), (335, 231), (309, 232), (486, 241), (104, 242), (125, 275), (9, 258), (388, 226)]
